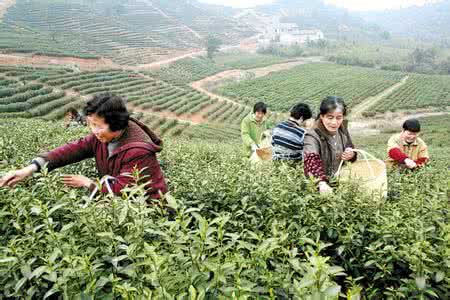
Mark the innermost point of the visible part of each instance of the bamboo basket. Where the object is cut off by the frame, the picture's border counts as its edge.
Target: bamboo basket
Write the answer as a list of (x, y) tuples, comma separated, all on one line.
[(369, 172)]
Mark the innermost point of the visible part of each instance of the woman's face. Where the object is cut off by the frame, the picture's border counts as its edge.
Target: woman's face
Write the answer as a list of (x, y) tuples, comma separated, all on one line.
[(408, 136), (100, 128), (259, 116), (332, 121)]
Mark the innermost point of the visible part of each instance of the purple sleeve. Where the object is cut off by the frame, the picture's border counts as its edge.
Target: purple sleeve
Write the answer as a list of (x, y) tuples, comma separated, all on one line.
[(313, 166), (147, 163), (70, 153)]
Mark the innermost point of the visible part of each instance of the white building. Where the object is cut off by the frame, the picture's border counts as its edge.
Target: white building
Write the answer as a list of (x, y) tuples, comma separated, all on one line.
[(301, 37), (288, 34)]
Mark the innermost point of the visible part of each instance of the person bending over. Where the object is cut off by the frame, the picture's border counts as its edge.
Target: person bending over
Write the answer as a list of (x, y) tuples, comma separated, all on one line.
[(119, 144), (288, 136), (406, 150), (328, 143), (252, 128)]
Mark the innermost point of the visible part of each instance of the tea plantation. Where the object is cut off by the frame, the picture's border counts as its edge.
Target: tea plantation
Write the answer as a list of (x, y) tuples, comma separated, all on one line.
[(312, 82), (236, 231), (128, 32)]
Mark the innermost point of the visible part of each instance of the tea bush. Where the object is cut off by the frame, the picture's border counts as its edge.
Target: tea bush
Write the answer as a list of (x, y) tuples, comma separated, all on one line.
[(232, 231), (311, 83)]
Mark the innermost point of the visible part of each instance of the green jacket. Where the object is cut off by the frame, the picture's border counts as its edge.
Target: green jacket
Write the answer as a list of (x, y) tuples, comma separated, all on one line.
[(251, 133)]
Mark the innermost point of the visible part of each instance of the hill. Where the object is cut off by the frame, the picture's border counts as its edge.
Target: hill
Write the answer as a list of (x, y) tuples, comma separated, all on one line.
[(430, 23), (129, 32), (336, 23)]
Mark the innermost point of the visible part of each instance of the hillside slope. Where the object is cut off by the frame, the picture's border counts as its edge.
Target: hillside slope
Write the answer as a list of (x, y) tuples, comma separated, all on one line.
[(129, 32), (429, 22)]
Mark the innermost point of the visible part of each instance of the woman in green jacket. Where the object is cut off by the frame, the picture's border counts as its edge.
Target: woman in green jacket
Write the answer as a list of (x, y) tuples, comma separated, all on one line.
[(252, 129)]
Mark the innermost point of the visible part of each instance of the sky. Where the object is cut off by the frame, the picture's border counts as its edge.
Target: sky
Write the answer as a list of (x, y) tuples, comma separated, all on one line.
[(359, 5)]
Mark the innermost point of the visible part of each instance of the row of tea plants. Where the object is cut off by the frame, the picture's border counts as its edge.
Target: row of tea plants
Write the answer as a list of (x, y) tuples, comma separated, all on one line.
[(226, 230)]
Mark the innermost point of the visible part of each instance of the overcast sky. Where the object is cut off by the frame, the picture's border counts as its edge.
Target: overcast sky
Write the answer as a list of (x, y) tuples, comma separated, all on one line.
[(350, 4)]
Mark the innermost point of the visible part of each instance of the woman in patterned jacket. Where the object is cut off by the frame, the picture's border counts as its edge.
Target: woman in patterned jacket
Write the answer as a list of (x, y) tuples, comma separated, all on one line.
[(328, 143)]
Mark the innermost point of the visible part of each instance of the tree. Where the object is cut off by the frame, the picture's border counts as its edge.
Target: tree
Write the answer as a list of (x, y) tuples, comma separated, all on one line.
[(386, 35), (212, 45)]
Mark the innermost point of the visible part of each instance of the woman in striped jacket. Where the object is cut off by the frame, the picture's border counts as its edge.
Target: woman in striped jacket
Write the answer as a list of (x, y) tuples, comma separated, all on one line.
[(288, 136)]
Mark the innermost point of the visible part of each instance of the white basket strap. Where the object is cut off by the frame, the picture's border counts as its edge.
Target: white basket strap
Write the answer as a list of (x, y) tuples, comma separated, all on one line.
[(105, 180), (365, 155)]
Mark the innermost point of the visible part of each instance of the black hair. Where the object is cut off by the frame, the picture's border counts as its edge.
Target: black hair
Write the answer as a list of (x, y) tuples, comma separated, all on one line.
[(72, 111), (110, 107), (412, 125), (301, 110), (260, 106), (330, 104)]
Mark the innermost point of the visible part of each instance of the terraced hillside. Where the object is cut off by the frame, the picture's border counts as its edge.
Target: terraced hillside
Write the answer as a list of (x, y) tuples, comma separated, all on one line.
[(22, 38), (169, 109), (129, 32), (22, 96), (204, 21), (311, 83)]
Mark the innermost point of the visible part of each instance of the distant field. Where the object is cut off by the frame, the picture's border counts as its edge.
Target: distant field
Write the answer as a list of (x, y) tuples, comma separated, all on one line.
[(191, 69), (420, 91), (368, 55), (310, 83)]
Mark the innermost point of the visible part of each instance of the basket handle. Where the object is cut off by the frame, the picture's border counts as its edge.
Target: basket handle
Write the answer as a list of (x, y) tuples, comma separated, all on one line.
[(105, 181), (365, 155)]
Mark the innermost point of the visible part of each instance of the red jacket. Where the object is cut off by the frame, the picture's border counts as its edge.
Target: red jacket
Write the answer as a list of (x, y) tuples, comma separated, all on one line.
[(136, 148)]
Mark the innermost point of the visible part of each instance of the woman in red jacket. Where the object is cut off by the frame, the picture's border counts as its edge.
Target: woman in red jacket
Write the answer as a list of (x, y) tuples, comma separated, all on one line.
[(119, 144)]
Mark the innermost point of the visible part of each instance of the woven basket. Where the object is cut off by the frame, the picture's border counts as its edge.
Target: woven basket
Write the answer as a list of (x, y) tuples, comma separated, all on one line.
[(264, 153), (369, 172)]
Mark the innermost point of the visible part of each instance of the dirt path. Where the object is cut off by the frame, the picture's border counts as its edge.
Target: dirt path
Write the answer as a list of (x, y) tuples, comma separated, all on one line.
[(247, 44), (201, 85), (4, 5), (357, 111), (198, 86), (261, 72), (158, 64), (85, 64), (387, 121), (194, 119), (419, 115), (175, 20)]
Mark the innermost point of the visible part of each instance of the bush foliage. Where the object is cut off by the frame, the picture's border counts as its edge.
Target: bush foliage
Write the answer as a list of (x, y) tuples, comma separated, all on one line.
[(233, 231)]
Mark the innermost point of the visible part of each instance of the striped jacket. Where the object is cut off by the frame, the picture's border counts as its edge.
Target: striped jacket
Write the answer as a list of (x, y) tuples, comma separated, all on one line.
[(287, 141)]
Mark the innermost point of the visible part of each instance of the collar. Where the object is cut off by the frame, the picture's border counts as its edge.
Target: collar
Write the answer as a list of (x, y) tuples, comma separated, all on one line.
[(254, 119), (324, 133), (415, 143), (294, 121), (121, 136)]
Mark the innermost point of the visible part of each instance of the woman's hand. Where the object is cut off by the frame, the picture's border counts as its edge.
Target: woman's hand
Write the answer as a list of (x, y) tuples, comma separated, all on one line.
[(410, 164), (77, 181), (13, 177), (324, 188), (348, 154)]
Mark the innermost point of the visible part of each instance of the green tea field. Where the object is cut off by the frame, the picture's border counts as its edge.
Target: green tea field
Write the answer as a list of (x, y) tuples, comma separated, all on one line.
[(312, 82), (228, 228), (238, 232)]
